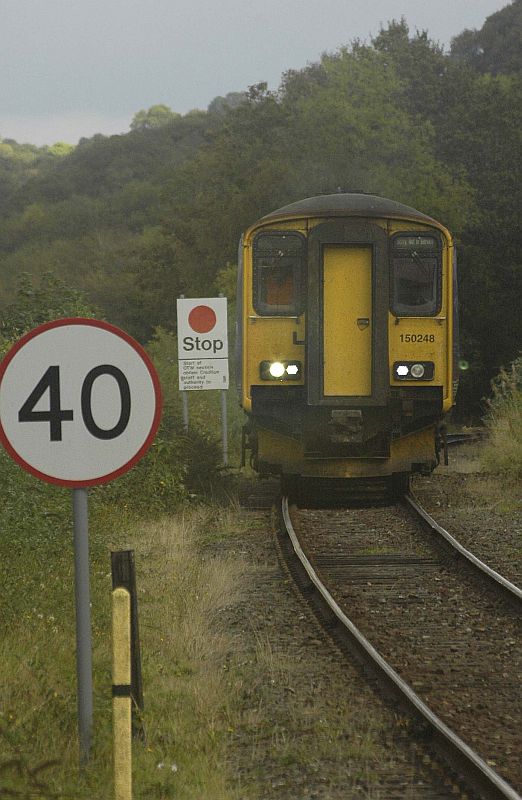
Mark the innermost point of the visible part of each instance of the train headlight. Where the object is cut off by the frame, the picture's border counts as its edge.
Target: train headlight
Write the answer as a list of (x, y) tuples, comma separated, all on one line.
[(277, 369), (280, 370), (413, 370)]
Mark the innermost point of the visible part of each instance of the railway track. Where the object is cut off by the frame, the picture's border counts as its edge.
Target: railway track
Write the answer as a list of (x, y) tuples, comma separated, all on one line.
[(444, 629), (465, 438)]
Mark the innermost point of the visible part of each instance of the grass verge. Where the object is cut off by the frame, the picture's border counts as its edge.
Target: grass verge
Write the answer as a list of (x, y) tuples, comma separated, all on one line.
[(502, 453), (185, 646), (236, 706)]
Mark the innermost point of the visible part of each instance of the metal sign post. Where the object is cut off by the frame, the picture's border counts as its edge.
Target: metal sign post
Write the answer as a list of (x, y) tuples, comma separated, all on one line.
[(80, 404), (224, 426), (185, 410), (83, 621), (184, 397)]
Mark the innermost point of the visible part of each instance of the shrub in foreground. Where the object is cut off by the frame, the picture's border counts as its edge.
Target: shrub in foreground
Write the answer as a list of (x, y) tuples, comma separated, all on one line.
[(502, 453)]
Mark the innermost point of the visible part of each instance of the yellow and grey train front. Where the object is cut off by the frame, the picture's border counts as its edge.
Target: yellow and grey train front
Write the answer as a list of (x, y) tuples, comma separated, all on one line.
[(346, 331)]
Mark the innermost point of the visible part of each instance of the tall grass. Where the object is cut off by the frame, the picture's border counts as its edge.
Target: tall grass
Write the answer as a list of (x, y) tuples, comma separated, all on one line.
[(502, 454), (185, 646), (180, 598)]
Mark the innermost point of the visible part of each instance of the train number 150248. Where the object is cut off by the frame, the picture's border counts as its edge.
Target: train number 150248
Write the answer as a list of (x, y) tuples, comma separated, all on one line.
[(417, 337)]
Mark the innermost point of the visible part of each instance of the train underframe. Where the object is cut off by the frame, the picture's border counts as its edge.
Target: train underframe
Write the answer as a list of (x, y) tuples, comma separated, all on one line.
[(345, 446)]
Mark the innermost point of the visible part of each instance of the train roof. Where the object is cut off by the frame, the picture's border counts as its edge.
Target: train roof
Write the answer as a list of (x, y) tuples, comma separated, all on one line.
[(348, 204)]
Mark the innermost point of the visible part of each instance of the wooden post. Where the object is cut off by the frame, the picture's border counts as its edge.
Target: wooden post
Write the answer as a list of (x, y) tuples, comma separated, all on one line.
[(121, 694), (123, 569)]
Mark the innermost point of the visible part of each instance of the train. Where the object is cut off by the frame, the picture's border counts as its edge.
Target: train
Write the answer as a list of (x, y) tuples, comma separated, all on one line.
[(347, 342)]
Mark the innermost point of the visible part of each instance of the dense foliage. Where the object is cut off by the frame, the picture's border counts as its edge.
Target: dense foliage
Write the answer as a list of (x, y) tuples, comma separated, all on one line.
[(180, 464), (502, 452), (135, 220)]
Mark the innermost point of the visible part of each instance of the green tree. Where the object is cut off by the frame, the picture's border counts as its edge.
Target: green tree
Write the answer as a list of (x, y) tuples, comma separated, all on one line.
[(220, 105), (354, 128), (155, 117), (41, 302), (495, 48), (61, 149)]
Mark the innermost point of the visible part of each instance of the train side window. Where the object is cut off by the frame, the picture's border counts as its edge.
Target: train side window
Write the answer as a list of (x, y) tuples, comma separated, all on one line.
[(278, 263), (416, 266)]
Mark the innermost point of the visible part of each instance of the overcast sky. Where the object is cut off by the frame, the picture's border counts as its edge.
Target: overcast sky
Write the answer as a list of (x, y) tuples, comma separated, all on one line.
[(73, 68)]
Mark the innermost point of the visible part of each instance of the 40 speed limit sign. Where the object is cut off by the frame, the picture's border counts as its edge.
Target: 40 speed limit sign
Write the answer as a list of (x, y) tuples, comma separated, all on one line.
[(80, 402)]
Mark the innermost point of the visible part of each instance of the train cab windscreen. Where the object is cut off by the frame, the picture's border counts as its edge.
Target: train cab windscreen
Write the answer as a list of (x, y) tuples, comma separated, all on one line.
[(416, 275), (278, 261)]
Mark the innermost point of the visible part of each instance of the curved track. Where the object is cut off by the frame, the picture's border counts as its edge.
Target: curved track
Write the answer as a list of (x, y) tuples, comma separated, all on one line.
[(505, 588), (441, 642)]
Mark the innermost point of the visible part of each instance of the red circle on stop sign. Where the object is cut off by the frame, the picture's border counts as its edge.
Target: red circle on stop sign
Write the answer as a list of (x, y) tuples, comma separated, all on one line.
[(202, 319)]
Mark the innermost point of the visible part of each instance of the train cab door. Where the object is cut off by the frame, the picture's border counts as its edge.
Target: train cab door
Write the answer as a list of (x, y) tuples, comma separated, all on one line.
[(347, 315)]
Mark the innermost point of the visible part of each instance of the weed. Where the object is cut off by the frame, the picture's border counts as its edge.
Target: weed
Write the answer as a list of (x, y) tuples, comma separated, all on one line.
[(188, 695), (502, 454)]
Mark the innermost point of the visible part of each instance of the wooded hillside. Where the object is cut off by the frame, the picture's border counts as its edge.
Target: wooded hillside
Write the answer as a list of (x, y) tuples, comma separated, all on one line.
[(134, 220)]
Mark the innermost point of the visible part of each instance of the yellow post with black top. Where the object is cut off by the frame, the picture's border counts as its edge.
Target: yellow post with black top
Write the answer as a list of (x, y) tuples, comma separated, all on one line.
[(121, 693)]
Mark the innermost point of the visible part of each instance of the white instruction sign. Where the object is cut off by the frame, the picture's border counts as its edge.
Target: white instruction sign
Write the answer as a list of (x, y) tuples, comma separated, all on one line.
[(202, 343)]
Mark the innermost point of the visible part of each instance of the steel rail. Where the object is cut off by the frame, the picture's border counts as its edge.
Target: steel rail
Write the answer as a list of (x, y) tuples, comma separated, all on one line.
[(481, 774), (514, 594), (464, 438)]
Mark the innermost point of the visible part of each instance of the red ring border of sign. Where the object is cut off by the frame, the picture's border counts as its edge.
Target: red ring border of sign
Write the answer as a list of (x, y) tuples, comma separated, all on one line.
[(94, 323)]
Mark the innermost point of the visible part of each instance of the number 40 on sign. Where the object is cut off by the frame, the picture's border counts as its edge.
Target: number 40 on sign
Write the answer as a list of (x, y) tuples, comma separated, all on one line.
[(79, 402)]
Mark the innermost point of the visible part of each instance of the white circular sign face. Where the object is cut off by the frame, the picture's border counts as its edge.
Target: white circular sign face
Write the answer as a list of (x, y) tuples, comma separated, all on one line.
[(80, 402)]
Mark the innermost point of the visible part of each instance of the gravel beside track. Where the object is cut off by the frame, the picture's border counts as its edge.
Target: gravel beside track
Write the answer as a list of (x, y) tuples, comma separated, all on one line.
[(476, 508), (456, 645), (466, 505), (330, 735)]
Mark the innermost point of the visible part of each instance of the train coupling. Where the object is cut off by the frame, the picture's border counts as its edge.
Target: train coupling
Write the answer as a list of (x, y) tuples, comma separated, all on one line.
[(346, 426)]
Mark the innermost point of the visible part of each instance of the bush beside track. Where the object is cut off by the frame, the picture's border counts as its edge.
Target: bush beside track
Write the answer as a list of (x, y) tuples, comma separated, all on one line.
[(502, 454)]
